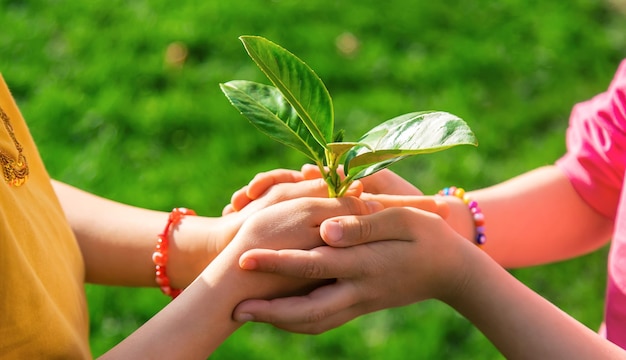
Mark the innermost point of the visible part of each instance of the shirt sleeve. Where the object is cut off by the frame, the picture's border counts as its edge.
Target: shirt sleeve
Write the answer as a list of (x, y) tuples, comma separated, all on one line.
[(596, 147)]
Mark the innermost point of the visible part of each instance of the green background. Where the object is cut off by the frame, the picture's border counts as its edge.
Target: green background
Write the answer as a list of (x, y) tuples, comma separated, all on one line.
[(112, 116)]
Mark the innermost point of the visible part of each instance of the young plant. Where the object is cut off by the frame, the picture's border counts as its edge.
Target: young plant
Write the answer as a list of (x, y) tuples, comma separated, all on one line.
[(298, 111)]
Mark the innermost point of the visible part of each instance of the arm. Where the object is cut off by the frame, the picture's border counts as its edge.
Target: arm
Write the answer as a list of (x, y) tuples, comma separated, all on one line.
[(193, 325), (117, 240), (532, 219), (529, 219), (521, 323), (427, 260)]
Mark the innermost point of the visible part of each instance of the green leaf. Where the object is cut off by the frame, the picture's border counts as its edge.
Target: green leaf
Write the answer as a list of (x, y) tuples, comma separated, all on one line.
[(339, 135), (403, 136), (268, 111), (340, 148), (300, 86)]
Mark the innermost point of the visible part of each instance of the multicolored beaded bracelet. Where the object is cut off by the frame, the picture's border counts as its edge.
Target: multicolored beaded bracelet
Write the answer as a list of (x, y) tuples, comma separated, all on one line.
[(477, 214), (160, 254)]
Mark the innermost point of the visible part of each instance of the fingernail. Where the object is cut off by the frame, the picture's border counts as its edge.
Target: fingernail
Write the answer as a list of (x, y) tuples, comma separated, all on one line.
[(248, 264), (333, 231), (244, 317), (374, 206)]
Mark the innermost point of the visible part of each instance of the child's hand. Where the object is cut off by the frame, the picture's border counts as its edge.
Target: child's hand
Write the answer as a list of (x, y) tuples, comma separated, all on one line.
[(262, 183), (382, 182), (259, 185), (291, 224), (391, 258), (280, 192)]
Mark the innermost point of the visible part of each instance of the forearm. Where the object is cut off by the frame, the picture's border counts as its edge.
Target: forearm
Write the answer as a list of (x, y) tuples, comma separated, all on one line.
[(519, 322), (200, 319), (193, 325), (117, 240), (532, 219)]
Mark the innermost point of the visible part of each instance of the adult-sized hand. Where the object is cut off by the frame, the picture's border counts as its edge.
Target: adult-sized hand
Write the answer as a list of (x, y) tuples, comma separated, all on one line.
[(421, 258)]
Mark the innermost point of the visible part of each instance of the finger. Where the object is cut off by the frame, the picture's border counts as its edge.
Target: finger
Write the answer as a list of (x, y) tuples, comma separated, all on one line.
[(323, 309), (240, 199), (319, 263), (355, 189), (427, 203), (390, 224), (228, 209), (287, 191), (310, 171), (306, 188), (301, 218), (386, 181), (263, 181)]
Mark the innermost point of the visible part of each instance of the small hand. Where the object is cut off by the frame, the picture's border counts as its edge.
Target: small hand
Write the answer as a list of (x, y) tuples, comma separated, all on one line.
[(382, 182), (292, 224), (419, 259), (280, 192), (259, 185)]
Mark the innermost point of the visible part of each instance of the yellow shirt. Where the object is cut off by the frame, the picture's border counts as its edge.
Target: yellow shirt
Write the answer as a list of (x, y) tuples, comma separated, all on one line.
[(43, 311)]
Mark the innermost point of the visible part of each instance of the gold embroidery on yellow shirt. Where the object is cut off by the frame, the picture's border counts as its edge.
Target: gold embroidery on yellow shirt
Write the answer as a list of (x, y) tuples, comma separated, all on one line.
[(15, 171)]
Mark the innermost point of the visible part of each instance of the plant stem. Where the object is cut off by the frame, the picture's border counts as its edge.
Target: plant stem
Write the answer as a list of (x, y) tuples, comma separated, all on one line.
[(331, 177), (344, 186)]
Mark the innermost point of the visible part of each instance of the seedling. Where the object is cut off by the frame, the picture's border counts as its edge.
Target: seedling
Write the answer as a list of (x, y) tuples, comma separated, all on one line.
[(298, 111)]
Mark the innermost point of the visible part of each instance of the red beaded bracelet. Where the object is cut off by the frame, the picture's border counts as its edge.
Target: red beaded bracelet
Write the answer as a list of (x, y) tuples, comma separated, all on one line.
[(160, 256), (477, 214)]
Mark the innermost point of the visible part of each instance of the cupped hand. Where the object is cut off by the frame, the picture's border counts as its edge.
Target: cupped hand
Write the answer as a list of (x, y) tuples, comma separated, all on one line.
[(382, 182), (264, 185), (292, 224), (232, 219), (261, 183), (421, 258)]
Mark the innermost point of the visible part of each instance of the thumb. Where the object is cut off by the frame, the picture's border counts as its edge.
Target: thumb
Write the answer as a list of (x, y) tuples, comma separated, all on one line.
[(389, 224)]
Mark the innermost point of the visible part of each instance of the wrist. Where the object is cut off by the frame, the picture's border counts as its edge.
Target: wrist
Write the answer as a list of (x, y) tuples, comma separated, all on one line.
[(459, 218), (467, 267), (161, 254), (465, 216), (197, 242), (193, 245)]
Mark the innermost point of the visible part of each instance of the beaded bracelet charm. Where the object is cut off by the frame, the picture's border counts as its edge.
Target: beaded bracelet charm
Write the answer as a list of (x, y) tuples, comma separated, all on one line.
[(160, 254), (477, 214)]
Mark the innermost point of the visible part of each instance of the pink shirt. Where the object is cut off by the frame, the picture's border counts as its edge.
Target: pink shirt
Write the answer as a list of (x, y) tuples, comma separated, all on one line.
[(595, 164)]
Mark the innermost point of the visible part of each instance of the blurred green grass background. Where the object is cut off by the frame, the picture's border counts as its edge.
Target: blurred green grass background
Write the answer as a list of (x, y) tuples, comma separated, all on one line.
[(111, 115)]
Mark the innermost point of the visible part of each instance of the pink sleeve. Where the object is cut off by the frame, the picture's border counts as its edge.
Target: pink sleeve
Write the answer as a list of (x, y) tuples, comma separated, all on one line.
[(596, 147)]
